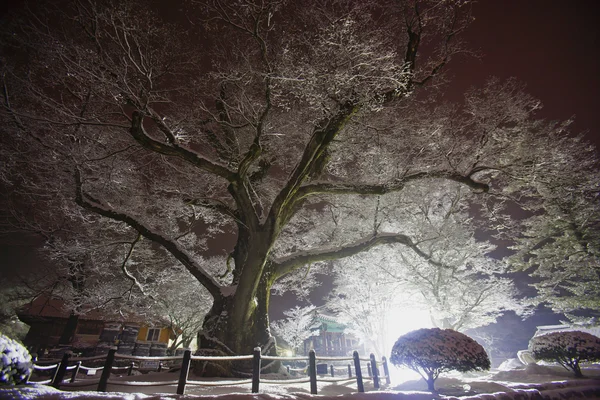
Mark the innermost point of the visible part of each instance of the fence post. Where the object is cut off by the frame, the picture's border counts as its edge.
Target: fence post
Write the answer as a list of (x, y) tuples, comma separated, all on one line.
[(75, 371), (312, 370), (255, 369), (130, 370), (185, 369), (375, 371), (110, 359), (369, 369), (160, 365), (349, 371), (359, 380), (61, 370), (331, 370), (386, 371)]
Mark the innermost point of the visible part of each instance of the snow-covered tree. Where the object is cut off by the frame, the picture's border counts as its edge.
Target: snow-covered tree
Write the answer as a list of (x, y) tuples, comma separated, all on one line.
[(15, 362), (568, 348), (452, 276), (561, 248), (185, 303), (366, 301), (431, 352), (296, 327), (272, 123)]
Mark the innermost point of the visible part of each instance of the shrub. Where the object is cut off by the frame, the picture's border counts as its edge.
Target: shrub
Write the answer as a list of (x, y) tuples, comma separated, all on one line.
[(15, 362), (568, 349), (433, 351)]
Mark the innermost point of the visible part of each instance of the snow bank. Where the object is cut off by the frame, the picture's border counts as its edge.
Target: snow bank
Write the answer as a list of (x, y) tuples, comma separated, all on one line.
[(531, 383)]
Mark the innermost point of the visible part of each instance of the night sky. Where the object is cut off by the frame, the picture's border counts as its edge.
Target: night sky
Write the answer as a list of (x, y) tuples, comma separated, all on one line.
[(551, 45)]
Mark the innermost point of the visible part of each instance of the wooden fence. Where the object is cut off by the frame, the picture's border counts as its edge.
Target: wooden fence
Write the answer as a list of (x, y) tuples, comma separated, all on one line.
[(74, 366)]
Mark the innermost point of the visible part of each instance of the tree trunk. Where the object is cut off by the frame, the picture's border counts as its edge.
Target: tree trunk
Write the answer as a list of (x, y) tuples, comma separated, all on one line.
[(577, 370), (239, 321), (430, 383), (69, 330)]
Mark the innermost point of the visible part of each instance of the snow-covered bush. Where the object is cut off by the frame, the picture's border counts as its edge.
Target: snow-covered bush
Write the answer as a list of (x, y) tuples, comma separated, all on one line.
[(568, 349), (15, 362), (433, 351)]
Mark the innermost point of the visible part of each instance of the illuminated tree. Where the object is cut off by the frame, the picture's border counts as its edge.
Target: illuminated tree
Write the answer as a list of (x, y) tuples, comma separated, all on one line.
[(431, 352), (296, 327), (366, 301), (453, 279), (238, 129), (568, 349), (561, 247)]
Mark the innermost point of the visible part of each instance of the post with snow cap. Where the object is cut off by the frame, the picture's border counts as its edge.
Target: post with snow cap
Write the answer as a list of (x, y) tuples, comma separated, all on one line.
[(61, 370), (312, 370), (255, 369), (375, 371), (185, 370), (359, 381), (110, 359)]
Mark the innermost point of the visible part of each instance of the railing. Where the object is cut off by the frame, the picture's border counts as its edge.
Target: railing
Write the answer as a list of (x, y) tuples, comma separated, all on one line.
[(61, 368)]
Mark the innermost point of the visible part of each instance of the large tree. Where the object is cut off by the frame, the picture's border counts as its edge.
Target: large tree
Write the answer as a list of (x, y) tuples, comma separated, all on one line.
[(253, 119)]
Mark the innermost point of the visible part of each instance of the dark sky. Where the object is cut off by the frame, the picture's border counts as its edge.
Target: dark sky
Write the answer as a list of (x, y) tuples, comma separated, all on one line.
[(553, 46)]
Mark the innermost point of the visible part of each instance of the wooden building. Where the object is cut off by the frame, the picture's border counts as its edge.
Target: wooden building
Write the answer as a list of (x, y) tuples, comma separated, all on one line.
[(53, 328)]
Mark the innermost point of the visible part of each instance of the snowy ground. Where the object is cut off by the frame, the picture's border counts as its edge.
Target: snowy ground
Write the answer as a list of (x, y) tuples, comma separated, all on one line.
[(551, 382)]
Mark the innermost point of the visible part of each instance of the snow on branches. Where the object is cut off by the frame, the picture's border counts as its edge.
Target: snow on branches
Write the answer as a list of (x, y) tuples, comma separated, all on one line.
[(568, 349), (433, 351), (15, 362), (296, 327)]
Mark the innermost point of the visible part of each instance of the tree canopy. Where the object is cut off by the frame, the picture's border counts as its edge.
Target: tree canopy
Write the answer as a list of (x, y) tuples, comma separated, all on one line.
[(278, 123), (431, 352), (568, 348)]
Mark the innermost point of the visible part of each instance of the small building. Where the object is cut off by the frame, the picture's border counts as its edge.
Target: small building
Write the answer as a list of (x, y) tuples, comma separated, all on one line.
[(54, 329), (329, 338)]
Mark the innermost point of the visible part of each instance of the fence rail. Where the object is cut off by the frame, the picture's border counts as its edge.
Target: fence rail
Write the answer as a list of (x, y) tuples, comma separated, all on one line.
[(326, 374)]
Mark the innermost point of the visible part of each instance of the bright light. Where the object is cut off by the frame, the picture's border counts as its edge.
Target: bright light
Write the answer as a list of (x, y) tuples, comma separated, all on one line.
[(402, 374), (288, 353), (399, 322)]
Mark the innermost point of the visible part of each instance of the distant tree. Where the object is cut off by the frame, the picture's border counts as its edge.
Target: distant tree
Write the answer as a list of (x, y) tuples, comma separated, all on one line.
[(365, 301), (568, 349), (253, 120), (451, 276), (431, 352), (559, 246), (185, 303), (296, 328)]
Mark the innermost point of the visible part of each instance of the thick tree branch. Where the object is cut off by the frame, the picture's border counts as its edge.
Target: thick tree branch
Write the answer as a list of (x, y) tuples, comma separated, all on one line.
[(141, 136), (171, 246), (349, 188), (288, 264), (318, 144)]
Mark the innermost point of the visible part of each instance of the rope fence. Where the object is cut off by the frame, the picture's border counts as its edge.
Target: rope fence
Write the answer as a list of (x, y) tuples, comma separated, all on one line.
[(326, 373)]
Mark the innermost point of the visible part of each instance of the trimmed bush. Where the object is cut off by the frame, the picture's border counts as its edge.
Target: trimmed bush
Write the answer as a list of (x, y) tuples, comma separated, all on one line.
[(15, 362), (433, 351), (568, 349)]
